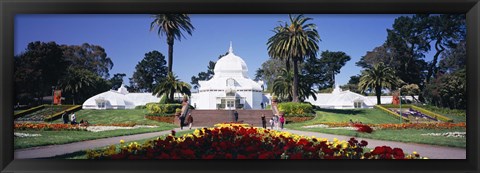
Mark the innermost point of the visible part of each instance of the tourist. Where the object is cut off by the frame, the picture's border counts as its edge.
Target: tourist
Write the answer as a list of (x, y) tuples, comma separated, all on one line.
[(65, 118), (271, 123), (73, 119), (275, 121), (282, 121), (183, 115), (264, 122), (235, 114), (190, 121), (261, 104)]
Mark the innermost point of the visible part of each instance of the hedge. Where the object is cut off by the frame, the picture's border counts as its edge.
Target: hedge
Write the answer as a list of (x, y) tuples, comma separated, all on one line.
[(291, 108), (162, 108), (381, 107), (59, 114)]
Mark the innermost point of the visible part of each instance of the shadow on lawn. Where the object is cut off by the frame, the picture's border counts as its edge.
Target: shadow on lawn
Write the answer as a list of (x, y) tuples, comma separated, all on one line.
[(344, 111)]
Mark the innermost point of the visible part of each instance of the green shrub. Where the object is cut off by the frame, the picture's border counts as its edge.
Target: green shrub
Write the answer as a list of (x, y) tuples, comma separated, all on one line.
[(160, 114), (291, 108), (163, 99), (140, 107), (162, 108)]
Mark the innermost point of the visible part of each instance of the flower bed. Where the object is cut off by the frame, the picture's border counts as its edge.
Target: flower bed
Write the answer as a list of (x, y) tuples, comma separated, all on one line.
[(297, 119), (165, 119), (49, 127), (235, 141), (396, 126)]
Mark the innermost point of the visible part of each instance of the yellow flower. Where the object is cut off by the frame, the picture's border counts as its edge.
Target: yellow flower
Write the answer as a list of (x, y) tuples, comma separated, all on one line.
[(122, 141), (414, 152)]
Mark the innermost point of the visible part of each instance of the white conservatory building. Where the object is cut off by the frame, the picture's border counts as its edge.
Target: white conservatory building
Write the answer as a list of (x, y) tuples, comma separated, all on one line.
[(229, 88), (120, 99)]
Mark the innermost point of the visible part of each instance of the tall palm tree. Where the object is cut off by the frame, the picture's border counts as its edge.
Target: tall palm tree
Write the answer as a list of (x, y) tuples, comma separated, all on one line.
[(172, 26), (171, 85), (75, 80), (377, 78), (295, 41), (277, 51)]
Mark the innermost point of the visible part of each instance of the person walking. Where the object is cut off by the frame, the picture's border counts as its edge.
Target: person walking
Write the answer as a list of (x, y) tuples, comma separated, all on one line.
[(264, 122), (271, 123), (235, 114), (282, 121), (261, 104), (275, 121), (190, 121), (184, 113)]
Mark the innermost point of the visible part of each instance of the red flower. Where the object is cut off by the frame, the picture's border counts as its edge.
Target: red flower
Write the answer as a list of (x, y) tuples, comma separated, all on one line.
[(241, 156)]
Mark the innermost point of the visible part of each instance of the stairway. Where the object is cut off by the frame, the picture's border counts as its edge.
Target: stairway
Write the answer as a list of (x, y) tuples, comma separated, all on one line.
[(208, 118)]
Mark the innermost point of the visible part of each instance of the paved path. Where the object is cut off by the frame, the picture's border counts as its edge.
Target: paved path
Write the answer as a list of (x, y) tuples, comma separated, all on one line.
[(430, 151), (54, 150)]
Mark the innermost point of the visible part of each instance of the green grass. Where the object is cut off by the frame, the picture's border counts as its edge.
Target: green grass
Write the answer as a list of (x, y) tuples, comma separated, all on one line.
[(405, 135), (113, 116), (375, 116), (368, 116), (83, 154), (63, 137)]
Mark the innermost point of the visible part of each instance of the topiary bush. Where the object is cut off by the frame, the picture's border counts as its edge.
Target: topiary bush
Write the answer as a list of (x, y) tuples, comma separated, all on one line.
[(296, 109)]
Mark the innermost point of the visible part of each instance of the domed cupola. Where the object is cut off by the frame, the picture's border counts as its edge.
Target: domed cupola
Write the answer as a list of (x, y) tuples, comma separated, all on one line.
[(231, 65)]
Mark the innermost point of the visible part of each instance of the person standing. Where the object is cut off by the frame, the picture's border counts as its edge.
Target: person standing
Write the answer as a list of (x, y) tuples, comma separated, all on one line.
[(235, 114), (261, 104), (65, 118), (264, 122), (190, 121)]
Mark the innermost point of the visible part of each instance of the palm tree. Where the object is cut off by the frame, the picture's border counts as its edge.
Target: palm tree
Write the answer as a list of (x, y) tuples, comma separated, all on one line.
[(171, 85), (172, 26), (294, 41), (377, 78), (277, 51), (282, 86), (75, 80)]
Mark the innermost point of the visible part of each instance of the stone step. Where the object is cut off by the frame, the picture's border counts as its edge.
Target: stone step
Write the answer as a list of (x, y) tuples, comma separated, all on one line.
[(209, 118)]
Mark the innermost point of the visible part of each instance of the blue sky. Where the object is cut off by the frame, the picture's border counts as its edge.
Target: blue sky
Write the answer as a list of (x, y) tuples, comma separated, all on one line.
[(126, 37)]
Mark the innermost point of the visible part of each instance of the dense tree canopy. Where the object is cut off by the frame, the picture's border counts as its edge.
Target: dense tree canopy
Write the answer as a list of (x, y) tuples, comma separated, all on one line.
[(150, 71), (90, 57)]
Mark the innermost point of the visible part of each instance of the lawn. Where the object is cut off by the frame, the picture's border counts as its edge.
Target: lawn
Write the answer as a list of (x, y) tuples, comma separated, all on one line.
[(375, 116), (406, 135), (83, 154), (63, 137), (113, 116), (368, 116)]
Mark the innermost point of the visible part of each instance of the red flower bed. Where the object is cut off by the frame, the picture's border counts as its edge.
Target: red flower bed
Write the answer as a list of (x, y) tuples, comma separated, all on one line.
[(43, 126), (237, 142), (363, 128)]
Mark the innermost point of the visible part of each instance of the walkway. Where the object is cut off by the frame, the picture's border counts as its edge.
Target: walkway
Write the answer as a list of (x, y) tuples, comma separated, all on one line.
[(430, 151), (54, 150)]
